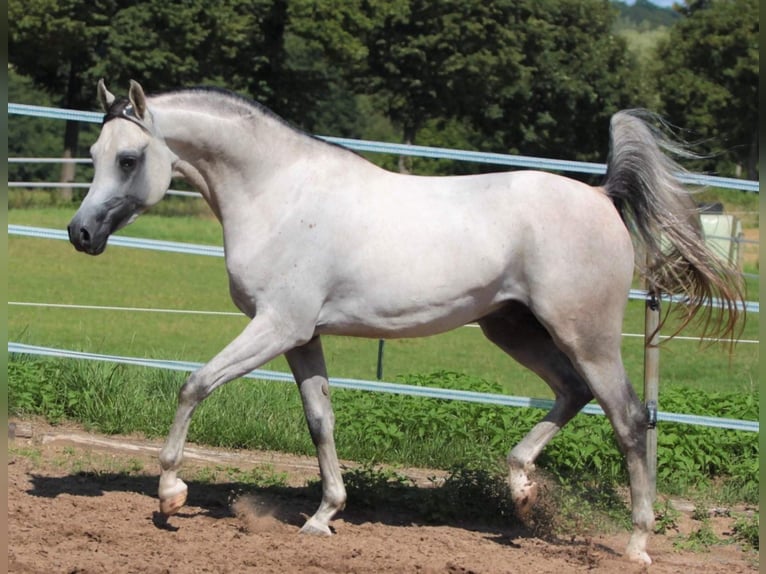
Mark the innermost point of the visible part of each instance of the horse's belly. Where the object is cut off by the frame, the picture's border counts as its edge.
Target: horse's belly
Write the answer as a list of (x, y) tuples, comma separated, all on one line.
[(397, 315)]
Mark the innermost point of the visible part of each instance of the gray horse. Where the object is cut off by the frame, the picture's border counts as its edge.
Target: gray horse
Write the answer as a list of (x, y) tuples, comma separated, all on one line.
[(320, 241)]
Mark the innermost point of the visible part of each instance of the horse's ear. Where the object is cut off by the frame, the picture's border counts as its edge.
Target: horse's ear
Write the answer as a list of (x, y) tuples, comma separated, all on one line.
[(138, 99), (105, 97)]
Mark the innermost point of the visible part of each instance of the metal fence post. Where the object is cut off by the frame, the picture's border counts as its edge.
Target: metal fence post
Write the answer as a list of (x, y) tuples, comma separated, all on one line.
[(652, 381), (379, 372)]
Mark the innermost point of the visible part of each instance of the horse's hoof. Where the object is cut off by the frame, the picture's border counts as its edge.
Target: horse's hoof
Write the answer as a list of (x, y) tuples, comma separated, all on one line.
[(525, 499), (316, 528), (636, 550), (173, 501), (639, 556)]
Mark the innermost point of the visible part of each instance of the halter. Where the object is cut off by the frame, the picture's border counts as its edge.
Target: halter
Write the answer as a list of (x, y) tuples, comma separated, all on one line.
[(122, 108)]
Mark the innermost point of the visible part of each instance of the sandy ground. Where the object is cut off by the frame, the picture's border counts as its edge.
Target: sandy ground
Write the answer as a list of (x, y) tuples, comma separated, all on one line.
[(85, 504)]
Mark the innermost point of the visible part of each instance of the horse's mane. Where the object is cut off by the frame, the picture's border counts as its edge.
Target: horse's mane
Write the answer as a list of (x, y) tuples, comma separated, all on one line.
[(223, 99), (239, 103)]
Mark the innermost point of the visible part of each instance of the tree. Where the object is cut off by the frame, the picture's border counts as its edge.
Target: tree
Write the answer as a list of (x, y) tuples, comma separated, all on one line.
[(165, 44), (708, 81), (538, 77), (30, 137), (577, 74), (430, 60), (56, 43)]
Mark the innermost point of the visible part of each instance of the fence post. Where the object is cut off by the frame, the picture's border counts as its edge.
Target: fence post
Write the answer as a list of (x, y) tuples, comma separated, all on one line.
[(652, 381), (379, 373)]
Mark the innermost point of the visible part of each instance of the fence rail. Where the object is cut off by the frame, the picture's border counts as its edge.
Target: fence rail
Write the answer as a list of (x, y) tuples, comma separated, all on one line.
[(382, 387), (378, 147), (427, 151), (216, 251)]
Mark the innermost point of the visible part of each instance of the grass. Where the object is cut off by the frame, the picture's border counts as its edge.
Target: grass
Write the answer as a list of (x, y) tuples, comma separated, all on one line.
[(51, 271), (270, 415), (376, 427)]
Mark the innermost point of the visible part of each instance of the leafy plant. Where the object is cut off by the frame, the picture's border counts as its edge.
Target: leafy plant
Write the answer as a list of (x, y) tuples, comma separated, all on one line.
[(746, 530), (370, 486), (665, 517), (699, 540)]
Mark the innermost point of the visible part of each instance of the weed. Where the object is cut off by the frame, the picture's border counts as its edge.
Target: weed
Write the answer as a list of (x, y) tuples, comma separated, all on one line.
[(746, 530), (699, 540), (581, 506), (471, 493), (665, 517), (264, 476), (370, 487), (34, 455)]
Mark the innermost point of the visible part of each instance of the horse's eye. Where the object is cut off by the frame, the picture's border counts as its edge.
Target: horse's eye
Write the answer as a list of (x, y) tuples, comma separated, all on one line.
[(127, 162)]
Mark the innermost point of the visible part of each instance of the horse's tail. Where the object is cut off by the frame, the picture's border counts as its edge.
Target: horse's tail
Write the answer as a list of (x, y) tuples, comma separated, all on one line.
[(661, 213)]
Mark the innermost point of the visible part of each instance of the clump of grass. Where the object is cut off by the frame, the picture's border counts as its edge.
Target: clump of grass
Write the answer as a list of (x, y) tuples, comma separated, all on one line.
[(665, 517), (746, 530), (467, 495), (699, 540)]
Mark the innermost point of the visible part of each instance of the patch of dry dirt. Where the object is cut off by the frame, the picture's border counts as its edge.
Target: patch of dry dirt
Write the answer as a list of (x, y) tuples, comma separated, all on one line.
[(73, 508)]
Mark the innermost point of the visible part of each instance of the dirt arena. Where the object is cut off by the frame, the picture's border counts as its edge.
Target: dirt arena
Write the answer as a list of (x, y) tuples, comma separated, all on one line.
[(73, 509)]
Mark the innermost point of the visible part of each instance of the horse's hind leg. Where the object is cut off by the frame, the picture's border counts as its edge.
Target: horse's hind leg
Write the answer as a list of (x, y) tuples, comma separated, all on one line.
[(308, 366), (595, 369), (521, 335), (613, 391)]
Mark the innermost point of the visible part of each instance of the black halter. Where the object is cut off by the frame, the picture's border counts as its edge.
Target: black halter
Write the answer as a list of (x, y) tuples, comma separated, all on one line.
[(122, 108)]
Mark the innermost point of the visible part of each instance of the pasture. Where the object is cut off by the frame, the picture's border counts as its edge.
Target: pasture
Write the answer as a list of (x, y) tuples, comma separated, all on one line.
[(52, 272), (372, 428)]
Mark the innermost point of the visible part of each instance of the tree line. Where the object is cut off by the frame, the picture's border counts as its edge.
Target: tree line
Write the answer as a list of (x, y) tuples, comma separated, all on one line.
[(531, 77)]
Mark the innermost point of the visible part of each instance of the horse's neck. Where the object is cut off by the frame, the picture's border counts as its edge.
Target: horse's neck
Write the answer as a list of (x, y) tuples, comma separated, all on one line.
[(199, 134), (218, 152)]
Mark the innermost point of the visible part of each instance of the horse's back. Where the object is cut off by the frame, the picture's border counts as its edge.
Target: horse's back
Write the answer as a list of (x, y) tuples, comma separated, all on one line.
[(432, 253)]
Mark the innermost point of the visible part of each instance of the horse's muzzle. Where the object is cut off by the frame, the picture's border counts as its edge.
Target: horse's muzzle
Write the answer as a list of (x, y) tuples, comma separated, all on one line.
[(83, 239), (90, 228)]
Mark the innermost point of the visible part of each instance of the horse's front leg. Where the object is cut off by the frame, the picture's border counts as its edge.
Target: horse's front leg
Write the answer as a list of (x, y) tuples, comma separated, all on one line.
[(308, 366), (258, 343)]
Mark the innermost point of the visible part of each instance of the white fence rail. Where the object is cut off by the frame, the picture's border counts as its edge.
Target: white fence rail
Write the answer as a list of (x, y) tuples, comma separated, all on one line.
[(426, 151), (379, 386), (382, 387)]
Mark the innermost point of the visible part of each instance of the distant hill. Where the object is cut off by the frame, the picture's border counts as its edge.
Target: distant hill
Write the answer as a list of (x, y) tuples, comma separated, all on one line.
[(644, 14)]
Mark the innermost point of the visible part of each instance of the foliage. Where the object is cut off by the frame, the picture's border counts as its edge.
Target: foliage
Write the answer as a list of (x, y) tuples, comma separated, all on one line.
[(645, 15), (395, 429), (72, 33), (532, 77), (689, 454), (31, 137), (665, 517), (699, 540), (577, 75), (708, 81), (468, 493), (747, 530), (440, 59)]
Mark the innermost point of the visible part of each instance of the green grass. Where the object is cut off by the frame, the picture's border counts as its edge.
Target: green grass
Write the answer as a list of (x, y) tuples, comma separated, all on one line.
[(371, 427), (51, 271), (393, 429)]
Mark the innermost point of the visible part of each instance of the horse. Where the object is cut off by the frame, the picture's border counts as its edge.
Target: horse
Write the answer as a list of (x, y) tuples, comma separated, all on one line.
[(320, 241)]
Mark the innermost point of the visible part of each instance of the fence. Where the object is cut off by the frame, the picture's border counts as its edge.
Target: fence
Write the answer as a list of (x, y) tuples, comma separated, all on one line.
[(376, 386)]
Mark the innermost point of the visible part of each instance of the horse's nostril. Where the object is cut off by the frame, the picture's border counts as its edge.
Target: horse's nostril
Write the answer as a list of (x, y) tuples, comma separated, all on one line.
[(84, 235)]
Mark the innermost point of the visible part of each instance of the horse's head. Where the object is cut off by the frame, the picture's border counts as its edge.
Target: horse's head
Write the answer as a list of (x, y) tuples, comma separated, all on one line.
[(133, 169)]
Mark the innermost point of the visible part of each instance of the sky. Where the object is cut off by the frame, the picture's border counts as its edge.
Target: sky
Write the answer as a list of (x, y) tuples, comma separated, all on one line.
[(662, 3)]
